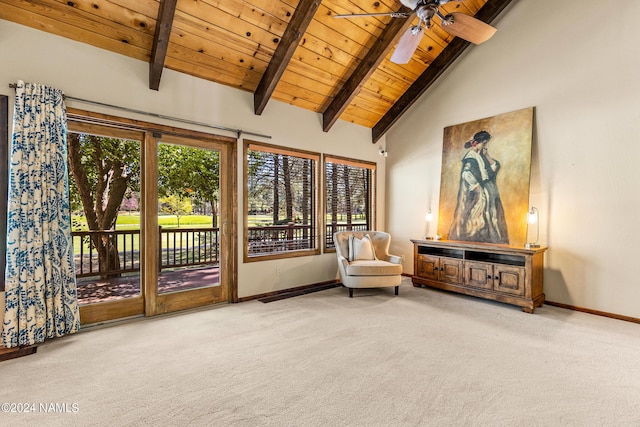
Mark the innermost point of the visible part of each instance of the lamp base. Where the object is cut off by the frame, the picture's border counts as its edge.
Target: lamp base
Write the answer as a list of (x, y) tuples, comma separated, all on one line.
[(531, 246)]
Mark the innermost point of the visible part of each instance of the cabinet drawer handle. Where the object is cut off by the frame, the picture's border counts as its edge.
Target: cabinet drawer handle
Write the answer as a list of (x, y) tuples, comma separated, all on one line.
[(435, 268), (441, 269), (496, 277), (488, 276)]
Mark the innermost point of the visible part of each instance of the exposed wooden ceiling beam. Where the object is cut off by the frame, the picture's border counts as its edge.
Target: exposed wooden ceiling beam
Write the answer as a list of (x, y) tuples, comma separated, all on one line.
[(288, 43), (487, 13), (365, 69), (166, 11)]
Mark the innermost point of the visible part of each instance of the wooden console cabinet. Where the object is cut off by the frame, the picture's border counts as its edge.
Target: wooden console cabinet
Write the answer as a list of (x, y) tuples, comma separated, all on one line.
[(502, 273)]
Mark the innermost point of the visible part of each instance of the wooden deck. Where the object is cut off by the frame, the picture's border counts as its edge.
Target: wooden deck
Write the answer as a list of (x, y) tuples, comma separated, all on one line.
[(94, 290)]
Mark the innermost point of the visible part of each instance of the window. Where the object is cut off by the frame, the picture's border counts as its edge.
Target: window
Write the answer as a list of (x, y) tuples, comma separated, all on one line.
[(349, 196), (280, 202)]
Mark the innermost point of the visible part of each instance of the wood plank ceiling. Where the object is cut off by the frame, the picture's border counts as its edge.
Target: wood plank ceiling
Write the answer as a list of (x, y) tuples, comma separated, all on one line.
[(293, 51)]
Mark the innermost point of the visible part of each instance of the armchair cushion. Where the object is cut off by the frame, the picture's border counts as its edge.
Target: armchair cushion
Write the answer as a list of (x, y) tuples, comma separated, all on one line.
[(373, 268), (361, 249)]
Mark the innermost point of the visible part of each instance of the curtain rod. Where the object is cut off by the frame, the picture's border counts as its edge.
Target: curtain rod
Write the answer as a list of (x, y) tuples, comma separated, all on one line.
[(159, 116)]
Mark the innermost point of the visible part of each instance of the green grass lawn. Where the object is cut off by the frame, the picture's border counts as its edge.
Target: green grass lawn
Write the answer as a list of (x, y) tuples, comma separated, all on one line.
[(132, 222), (127, 221)]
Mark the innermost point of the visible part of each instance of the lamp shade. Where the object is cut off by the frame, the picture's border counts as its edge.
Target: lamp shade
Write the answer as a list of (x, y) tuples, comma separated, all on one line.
[(532, 218)]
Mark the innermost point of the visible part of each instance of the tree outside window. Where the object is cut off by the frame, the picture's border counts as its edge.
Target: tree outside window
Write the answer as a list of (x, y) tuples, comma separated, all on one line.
[(349, 196), (280, 201)]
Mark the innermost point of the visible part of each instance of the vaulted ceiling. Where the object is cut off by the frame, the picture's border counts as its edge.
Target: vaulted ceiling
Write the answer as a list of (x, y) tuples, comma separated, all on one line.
[(293, 51)]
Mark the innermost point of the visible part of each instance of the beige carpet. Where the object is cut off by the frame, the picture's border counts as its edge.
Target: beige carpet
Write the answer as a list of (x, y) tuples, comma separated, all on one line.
[(424, 357)]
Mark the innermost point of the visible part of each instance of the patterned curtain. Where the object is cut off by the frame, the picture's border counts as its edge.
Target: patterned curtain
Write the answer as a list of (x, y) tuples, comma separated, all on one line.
[(40, 285)]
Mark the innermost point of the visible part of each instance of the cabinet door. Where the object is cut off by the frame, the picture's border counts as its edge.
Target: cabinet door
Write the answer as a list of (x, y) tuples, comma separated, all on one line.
[(509, 279), (450, 270), (427, 267), (478, 274)]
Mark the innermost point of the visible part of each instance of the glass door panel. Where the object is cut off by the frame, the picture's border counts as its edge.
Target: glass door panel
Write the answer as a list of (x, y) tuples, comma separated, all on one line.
[(188, 217), (104, 190), (190, 194)]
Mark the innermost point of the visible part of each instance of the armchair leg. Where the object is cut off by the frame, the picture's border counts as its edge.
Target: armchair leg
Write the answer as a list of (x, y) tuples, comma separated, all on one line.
[(397, 287), (350, 292)]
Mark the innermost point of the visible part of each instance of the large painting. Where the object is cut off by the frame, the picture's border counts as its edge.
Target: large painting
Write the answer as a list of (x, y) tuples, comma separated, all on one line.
[(484, 189)]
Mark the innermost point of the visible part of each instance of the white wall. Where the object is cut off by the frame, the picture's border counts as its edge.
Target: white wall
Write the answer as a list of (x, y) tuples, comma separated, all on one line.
[(90, 73), (577, 65)]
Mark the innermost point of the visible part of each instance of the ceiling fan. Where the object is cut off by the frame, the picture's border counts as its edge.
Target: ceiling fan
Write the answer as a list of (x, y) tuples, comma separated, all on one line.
[(457, 24)]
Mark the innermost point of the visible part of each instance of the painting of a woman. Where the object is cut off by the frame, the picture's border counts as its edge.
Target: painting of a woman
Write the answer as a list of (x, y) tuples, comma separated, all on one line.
[(484, 185), (479, 214)]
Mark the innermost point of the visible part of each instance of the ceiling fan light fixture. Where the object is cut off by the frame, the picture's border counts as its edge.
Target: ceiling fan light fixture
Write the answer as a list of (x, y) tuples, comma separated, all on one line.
[(411, 4)]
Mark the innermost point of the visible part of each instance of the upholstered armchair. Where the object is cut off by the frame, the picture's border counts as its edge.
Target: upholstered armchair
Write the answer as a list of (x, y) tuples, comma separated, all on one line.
[(364, 260)]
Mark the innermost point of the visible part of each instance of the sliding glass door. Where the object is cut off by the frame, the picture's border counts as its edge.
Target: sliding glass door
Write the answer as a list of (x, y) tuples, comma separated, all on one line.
[(152, 219)]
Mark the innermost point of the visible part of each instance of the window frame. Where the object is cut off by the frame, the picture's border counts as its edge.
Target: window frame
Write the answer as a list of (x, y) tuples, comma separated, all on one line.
[(328, 158), (315, 205)]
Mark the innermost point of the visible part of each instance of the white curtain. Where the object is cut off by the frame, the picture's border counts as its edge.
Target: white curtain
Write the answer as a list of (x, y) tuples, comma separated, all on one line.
[(40, 285)]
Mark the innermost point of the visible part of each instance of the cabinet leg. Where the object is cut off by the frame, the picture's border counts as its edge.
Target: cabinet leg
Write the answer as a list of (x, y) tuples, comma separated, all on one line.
[(528, 310)]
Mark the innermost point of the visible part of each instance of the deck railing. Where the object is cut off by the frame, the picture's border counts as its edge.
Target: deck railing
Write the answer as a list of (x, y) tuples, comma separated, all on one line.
[(181, 247), (124, 243), (280, 238), (178, 247)]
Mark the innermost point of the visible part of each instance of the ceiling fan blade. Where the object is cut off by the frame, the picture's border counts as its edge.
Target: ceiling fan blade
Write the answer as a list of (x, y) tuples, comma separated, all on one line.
[(358, 15), (407, 45), (468, 28)]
